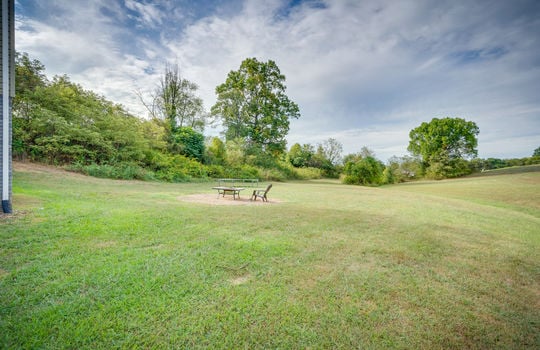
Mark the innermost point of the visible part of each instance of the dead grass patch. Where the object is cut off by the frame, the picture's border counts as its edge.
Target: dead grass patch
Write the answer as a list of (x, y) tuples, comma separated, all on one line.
[(17, 214), (105, 244), (212, 199), (239, 280)]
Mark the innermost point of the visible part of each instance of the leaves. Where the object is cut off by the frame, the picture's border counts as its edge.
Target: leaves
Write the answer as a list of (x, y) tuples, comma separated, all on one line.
[(442, 143), (252, 104)]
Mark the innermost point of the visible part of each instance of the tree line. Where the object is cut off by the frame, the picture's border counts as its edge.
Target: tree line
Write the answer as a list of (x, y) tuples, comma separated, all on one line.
[(59, 122)]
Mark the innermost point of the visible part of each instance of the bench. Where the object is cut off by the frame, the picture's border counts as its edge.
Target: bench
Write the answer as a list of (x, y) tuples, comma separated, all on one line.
[(261, 194), (238, 182)]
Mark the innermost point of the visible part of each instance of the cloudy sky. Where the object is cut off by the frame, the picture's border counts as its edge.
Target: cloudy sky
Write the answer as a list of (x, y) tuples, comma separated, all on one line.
[(364, 72)]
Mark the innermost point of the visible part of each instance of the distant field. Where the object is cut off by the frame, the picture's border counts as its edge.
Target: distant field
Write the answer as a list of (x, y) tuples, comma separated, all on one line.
[(99, 264)]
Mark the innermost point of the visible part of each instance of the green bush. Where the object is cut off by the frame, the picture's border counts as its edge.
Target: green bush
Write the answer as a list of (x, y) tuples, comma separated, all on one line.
[(122, 171), (365, 171), (273, 175), (308, 173), (242, 172)]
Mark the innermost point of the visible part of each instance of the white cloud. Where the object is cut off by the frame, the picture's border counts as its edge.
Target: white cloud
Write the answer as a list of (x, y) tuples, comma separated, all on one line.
[(148, 14)]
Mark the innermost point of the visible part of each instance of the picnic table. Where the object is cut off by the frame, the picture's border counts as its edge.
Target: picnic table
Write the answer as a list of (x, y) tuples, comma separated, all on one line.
[(223, 190)]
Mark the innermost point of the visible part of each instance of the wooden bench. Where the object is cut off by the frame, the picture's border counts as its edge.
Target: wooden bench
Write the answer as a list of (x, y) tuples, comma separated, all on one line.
[(261, 194), (238, 182)]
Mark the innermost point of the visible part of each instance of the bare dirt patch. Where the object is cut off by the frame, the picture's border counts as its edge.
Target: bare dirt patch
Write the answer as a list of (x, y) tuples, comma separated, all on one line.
[(239, 280), (28, 167), (213, 199), (12, 216), (37, 168)]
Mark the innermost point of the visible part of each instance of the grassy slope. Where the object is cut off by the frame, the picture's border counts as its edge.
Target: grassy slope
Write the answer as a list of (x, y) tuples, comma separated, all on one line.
[(95, 263)]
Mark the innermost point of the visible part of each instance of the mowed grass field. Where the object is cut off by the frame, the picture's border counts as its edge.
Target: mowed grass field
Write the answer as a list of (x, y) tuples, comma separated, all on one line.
[(100, 264)]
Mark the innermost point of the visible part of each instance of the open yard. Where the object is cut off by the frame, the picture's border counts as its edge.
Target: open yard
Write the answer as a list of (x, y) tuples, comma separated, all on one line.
[(100, 264)]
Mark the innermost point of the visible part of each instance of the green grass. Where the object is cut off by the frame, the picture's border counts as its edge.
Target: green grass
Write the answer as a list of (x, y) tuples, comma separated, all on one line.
[(100, 264)]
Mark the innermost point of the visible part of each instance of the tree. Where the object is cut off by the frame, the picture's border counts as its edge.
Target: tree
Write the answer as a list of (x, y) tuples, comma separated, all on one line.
[(404, 168), (536, 152), (444, 145), (215, 151), (188, 142), (252, 104), (332, 150), (175, 101), (300, 156), (364, 171)]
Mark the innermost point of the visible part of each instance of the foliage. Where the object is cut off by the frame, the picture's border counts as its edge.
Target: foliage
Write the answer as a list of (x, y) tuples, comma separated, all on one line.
[(332, 150), (365, 171), (536, 152), (308, 173), (252, 105), (175, 168), (59, 122), (215, 151), (300, 156), (235, 152), (327, 157), (187, 142), (479, 164), (121, 171), (401, 169), (443, 144), (176, 102)]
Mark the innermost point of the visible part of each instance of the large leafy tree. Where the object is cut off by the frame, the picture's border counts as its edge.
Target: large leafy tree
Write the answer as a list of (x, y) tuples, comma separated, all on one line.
[(444, 145), (252, 104)]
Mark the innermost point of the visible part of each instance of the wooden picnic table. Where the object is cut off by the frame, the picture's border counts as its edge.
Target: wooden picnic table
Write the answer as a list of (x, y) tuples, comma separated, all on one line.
[(223, 190)]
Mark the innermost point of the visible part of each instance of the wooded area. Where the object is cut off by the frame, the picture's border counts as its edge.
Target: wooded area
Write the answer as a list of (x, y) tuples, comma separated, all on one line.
[(59, 122)]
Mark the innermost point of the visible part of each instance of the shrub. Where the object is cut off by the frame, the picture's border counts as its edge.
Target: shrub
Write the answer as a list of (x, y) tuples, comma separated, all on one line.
[(121, 171), (308, 173), (366, 171)]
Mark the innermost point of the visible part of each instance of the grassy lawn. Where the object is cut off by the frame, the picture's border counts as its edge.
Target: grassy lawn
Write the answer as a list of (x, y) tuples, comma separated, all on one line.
[(100, 264)]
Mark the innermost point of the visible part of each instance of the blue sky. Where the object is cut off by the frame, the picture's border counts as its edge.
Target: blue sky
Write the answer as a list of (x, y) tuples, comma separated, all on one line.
[(362, 72)]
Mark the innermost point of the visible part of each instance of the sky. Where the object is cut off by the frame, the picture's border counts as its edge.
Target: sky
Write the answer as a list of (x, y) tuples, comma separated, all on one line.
[(364, 72)]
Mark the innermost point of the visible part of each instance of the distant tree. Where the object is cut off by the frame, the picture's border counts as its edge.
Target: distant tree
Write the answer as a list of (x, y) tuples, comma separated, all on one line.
[(363, 171), (536, 152), (215, 151), (235, 151), (175, 101), (300, 156), (29, 74), (356, 157), (404, 168), (332, 150), (366, 152), (444, 145), (252, 104)]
